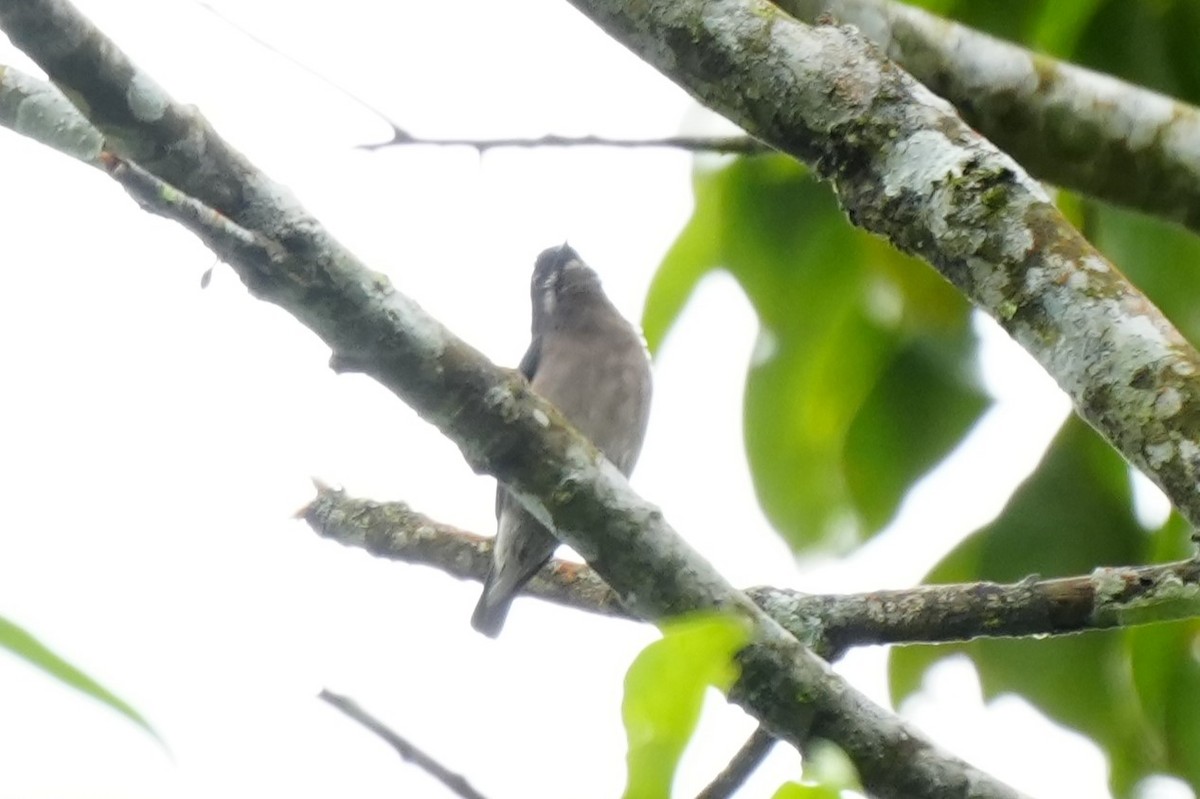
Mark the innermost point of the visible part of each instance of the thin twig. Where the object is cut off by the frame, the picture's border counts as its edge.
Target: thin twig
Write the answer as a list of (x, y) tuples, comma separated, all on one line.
[(455, 782), (730, 145), (748, 758)]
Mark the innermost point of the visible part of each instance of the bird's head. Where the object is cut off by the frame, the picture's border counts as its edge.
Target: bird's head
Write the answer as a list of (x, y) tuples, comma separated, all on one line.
[(560, 274)]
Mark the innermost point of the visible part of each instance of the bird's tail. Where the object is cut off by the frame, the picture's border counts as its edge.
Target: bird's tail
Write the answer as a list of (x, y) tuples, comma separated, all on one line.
[(492, 609)]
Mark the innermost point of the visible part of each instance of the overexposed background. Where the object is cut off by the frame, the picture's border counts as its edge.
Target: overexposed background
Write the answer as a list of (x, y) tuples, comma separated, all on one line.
[(156, 438)]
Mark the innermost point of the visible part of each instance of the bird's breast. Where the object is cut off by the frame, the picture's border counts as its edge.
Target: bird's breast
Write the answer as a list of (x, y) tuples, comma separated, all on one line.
[(601, 383)]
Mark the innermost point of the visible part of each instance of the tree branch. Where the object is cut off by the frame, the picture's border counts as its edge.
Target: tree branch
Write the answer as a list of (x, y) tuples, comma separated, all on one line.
[(906, 168), (456, 783), (1109, 597), (395, 531), (1073, 127)]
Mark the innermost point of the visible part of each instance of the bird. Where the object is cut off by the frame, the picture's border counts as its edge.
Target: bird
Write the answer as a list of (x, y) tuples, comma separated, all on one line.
[(593, 366)]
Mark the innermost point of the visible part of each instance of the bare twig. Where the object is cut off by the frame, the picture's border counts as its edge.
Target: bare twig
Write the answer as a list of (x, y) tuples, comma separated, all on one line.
[(748, 758), (731, 145), (457, 784)]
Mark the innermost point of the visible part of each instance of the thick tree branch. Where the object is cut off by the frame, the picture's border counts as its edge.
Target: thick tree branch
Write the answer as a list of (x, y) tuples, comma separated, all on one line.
[(829, 624), (1067, 125), (906, 168), (500, 426)]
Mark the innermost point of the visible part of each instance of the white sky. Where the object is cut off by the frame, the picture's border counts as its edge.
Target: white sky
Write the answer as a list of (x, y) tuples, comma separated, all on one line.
[(157, 437)]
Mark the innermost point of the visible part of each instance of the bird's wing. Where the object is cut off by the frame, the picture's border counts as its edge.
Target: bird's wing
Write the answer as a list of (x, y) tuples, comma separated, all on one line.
[(529, 363)]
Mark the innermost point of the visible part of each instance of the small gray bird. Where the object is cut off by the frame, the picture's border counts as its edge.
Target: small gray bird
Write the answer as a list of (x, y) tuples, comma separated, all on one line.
[(592, 365)]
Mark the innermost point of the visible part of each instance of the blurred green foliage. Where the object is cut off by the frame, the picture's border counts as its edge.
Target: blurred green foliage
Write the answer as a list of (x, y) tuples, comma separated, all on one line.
[(24, 645), (863, 375), (797, 790), (664, 692), (864, 378)]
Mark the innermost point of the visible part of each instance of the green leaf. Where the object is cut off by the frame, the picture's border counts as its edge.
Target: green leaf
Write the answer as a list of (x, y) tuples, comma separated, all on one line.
[(664, 691), (863, 378), (798, 790), (23, 644), (1181, 25), (885, 450)]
